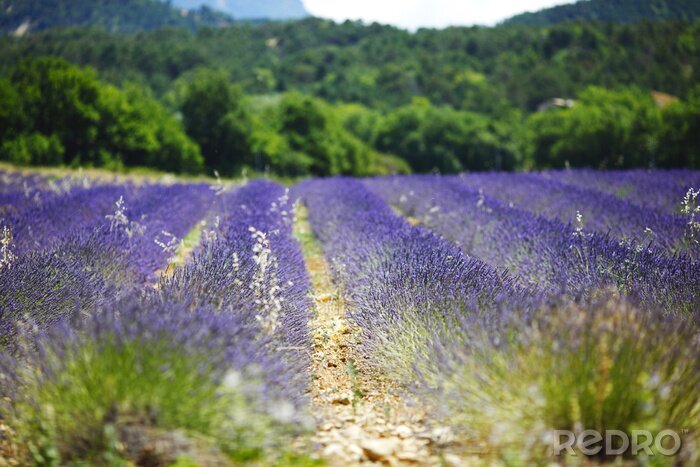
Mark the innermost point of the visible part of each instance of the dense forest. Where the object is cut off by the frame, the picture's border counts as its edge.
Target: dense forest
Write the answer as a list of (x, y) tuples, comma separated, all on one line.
[(25, 16), (316, 97), (477, 68), (612, 11), (55, 113)]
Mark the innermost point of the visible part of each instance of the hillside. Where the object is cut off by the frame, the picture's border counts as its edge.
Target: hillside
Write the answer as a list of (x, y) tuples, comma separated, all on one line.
[(20, 17), (473, 68), (612, 11), (250, 9)]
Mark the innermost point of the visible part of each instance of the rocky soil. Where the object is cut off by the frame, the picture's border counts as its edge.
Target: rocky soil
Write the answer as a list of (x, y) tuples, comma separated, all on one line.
[(362, 417)]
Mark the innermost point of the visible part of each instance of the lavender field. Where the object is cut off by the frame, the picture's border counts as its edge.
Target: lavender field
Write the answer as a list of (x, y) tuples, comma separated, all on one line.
[(404, 320)]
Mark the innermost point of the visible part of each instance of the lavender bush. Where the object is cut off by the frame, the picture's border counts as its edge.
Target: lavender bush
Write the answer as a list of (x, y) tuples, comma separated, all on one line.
[(556, 257), (593, 210), (42, 225), (603, 365), (251, 263), (145, 369), (662, 190), (94, 261), (218, 350), (18, 191), (402, 283), (504, 366)]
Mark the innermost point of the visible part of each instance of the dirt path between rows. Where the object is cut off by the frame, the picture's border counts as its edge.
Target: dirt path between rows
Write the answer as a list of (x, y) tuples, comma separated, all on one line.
[(362, 419), (183, 250)]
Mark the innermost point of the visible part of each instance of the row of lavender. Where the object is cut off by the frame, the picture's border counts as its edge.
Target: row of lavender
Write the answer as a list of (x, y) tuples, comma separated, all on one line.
[(662, 190), (396, 277), (96, 362), (250, 266), (18, 190), (629, 214), (86, 248), (508, 358), (541, 251)]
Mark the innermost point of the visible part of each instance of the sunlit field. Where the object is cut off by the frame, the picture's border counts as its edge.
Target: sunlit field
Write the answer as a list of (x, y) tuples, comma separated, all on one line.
[(443, 233), (473, 319)]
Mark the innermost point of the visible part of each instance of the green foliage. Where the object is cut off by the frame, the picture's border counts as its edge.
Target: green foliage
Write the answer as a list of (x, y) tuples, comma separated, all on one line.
[(617, 11), (61, 99), (447, 140), (623, 128), (216, 117), (679, 141), (33, 149), (112, 15), (475, 68), (311, 128), (76, 416), (140, 132), (12, 116), (603, 129), (291, 134), (361, 121), (318, 98), (63, 114)]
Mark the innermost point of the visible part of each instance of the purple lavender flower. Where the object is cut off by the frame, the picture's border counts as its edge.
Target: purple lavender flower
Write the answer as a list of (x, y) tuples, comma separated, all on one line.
[(90, 261), (555, 257), (595, 211), (654, 189), (395, 275), (224, 274)]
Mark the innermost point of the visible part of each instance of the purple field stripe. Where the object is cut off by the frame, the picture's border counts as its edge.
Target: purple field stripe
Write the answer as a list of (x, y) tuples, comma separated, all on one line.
[(543, 252), (600, 212), (658, 189), (391, 272), (223, 274)]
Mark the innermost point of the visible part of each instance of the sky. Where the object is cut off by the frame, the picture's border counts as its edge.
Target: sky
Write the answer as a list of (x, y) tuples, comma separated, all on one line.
[(413, 14)]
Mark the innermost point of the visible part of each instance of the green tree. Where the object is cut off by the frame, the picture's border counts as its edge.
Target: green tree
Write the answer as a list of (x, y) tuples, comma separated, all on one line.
[(444, 139), (312, 128), (603, 129), (679, 144), (32, 149), (13, 119), (361, 121), (137, 130), (65, 114), (61, 99), (217, 118)]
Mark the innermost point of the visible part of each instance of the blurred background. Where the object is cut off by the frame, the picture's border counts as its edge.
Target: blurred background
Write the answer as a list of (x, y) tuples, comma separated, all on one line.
[(321, 87)]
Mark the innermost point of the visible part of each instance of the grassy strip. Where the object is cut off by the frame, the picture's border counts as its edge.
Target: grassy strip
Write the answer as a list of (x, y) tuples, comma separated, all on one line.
[(139, 175), (184, 250)]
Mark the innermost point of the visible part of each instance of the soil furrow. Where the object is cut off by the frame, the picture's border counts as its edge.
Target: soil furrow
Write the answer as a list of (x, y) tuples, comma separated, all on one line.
[(362, 418)]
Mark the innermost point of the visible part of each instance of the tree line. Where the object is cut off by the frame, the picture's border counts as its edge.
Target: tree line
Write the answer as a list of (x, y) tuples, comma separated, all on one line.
[(318, 98), (56, 113), (615, 11), (112, 15), (469, 68)]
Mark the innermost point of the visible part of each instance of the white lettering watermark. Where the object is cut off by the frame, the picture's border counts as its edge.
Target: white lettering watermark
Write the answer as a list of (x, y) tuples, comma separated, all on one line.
[(615, 442)]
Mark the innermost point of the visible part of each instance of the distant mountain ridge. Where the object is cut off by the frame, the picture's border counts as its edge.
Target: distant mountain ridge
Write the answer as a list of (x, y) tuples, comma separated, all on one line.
[(612, 11), (251, 9), (20, 17)]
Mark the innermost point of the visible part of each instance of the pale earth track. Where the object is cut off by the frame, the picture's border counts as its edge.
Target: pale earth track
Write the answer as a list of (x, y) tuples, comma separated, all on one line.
[(361, 416)]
